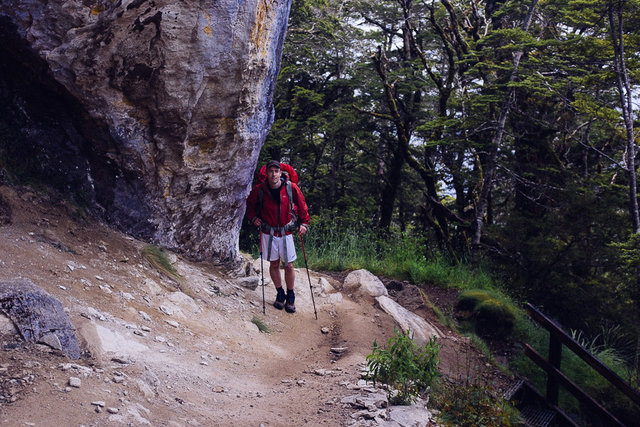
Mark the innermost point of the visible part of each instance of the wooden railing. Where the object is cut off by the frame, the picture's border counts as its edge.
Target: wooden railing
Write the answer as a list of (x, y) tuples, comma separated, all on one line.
[(555, 377)]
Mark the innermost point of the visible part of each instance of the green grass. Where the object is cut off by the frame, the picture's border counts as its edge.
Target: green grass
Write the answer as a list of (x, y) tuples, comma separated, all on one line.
[(262, 327), (403, 257), (158, 258)]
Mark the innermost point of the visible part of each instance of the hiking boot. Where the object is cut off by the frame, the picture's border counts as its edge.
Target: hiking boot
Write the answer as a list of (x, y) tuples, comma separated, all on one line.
[(291, 299), (280, 299)]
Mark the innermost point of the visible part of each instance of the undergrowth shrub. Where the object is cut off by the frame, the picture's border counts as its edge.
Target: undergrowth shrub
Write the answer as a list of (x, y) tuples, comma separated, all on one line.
[(404, 366), (494, 318), (473, 405), (470, 299), (491, 314)]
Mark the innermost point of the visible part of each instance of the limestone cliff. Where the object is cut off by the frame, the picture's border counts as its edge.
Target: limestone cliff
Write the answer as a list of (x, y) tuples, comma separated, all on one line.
[(151, 112)]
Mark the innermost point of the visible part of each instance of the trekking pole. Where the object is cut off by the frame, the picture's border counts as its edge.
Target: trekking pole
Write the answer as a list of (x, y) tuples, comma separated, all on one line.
[(262, 273), (308, 277)]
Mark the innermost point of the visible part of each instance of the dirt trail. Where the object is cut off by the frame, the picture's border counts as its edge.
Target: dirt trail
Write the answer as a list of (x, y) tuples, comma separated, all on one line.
[(163, 353)]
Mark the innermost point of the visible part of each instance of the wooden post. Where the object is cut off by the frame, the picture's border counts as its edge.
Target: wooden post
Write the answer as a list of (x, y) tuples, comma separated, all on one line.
[(555, 358)]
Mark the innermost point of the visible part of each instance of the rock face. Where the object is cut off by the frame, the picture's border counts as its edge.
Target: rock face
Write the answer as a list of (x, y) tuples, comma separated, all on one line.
[(38, 316), (150, 112)]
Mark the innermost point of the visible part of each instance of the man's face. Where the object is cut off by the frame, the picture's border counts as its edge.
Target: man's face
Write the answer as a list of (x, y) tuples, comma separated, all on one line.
[(273, 175)]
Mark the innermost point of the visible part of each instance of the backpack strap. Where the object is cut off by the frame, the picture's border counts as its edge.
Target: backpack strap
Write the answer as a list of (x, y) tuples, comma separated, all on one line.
[(294, 219), (260, 201)]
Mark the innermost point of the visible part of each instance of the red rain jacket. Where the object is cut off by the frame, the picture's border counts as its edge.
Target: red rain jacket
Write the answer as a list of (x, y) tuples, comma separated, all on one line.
[(273, 213)]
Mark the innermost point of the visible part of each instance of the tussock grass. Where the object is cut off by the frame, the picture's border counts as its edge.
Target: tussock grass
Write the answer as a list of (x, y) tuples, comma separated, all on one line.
[(158, 258), (333, 248), (262, 327)]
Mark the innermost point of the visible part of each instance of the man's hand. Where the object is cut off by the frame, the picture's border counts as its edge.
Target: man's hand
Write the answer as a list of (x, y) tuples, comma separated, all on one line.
[(303, 230), (257, 222)]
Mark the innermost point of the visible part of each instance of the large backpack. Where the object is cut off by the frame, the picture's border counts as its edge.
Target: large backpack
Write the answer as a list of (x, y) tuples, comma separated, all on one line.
[(293, 177)]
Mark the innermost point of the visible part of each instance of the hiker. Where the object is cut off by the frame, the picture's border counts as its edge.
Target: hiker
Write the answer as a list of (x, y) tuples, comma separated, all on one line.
[(276, 206)]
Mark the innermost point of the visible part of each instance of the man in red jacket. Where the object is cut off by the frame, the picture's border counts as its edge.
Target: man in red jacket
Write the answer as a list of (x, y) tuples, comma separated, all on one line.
[(277, 206)]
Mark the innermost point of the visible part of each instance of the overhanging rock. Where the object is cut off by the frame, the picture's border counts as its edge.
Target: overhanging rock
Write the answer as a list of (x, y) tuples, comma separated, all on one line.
[(151, 112)]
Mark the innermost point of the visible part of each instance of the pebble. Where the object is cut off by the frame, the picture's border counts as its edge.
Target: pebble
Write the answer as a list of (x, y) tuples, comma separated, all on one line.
[(75, 382), (166, 310), (112, 410), (173, 323)]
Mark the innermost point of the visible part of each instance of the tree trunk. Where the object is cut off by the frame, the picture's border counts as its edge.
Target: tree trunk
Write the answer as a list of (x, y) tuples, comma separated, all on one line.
[(624, 91), (489, 169), (390, 186)]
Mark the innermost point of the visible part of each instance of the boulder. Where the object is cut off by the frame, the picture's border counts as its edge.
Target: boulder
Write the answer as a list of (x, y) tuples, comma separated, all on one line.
[(38, 316), (150, 113), (364, 283), (407, 320), (410, 416)]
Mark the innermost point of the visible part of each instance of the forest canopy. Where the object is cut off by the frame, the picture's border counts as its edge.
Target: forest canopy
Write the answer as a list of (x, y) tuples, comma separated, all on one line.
[(503, 133)]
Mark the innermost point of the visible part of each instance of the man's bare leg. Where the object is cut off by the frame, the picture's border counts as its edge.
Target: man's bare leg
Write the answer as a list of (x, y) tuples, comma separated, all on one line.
[(289, 276), (274, 272)]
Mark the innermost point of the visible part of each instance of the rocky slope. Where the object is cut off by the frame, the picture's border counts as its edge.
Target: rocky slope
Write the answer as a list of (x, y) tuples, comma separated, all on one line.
[(177, 352)]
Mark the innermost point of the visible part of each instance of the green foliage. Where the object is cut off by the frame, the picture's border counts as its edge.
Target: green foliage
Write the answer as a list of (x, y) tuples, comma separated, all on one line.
[(471, 405), (492, 314), (470, 299), (262, 327), (158, 258), (334, 246), (494, 318), (404, 366)]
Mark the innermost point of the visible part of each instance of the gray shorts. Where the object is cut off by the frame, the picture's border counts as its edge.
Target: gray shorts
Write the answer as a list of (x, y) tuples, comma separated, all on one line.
[(278, 249)]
